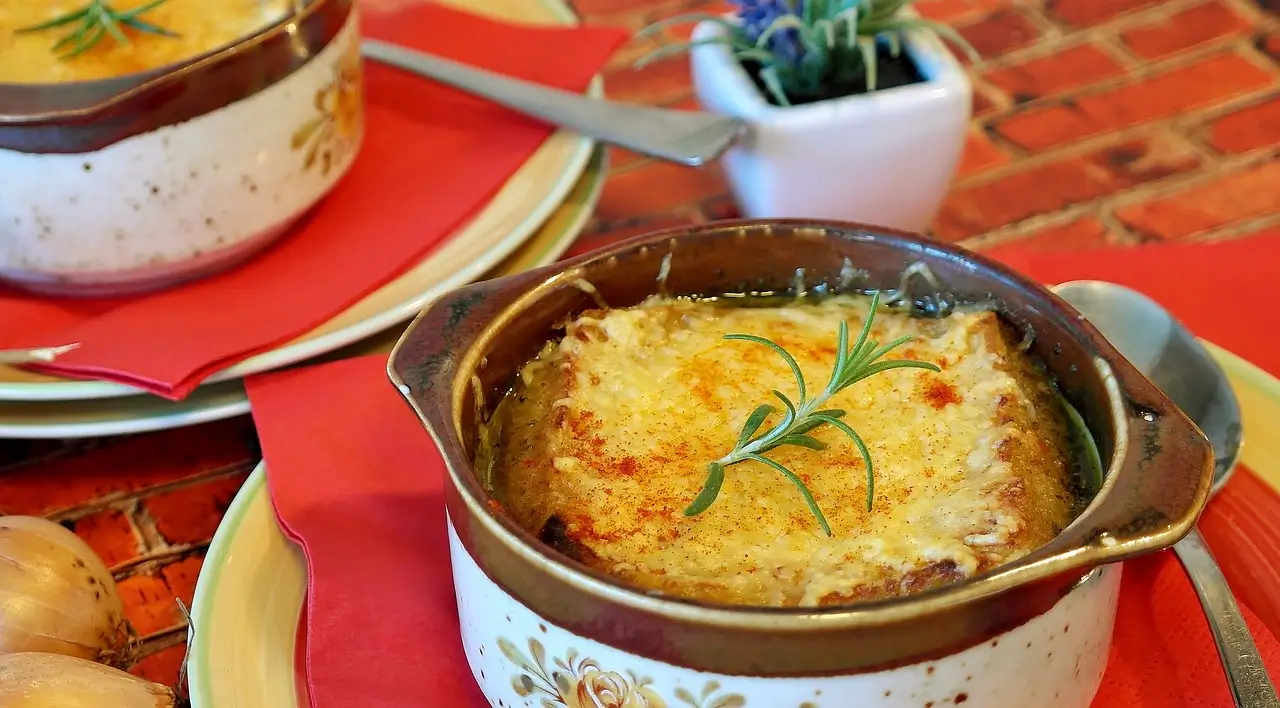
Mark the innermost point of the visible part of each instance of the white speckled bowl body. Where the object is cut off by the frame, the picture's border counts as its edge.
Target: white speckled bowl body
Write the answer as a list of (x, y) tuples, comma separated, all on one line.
[(519, 658), (186, 199)]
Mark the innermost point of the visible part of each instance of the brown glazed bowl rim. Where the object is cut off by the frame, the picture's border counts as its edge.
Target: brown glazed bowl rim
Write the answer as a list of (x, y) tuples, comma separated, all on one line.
[(114, 90), (1054, 562)]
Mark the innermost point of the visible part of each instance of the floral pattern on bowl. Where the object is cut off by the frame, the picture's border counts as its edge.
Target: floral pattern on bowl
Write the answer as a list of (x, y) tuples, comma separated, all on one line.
[(580, 682), (331, 135)]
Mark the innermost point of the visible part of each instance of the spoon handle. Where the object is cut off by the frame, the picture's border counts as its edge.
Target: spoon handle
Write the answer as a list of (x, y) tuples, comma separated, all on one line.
[(688, 137), (1250, 685), (42, 355)]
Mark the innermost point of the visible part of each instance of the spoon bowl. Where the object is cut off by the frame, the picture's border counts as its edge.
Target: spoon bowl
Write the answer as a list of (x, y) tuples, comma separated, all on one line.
[(1175, 361)]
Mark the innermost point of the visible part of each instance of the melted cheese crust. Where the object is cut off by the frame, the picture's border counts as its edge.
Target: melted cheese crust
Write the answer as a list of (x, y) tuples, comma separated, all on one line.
[(202, 25), (606, 437)]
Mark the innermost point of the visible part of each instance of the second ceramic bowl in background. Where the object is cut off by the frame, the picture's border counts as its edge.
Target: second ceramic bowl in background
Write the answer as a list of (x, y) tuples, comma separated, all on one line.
[(150, 179)]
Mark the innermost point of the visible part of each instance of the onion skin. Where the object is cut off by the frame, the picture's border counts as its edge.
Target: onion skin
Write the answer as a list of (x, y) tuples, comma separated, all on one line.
[(57, 596), (39, 680)]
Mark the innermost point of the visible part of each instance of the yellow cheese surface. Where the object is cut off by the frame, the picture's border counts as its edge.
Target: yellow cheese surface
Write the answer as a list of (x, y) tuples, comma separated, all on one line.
[(605, 439), (202, 25)]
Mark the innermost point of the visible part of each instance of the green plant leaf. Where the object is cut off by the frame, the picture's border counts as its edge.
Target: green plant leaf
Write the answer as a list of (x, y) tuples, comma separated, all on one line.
[(754, 421), (96, 20), (862, 450), (786, 356), (710, 490), (800, 485), (800, 440), (668, 50), (655, 27)]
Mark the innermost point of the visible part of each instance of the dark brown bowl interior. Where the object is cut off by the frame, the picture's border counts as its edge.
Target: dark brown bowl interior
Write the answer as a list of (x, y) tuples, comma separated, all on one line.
[(1158, 464)]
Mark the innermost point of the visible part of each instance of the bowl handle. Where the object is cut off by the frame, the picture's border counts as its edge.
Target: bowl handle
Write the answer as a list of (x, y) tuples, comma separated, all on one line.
[(424, 361), (1159, 478)]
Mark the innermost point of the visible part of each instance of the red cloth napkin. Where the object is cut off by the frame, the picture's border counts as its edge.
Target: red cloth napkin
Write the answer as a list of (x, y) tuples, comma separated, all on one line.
[(1221, 291), (358, 483), (431, 157)]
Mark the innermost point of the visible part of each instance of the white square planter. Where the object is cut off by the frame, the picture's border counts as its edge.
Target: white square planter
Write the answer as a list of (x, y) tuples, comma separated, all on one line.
[(883, 158)]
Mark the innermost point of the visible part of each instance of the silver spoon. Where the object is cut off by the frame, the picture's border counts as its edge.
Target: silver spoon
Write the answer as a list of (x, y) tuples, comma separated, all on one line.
[(688, 137), (1148, 336)]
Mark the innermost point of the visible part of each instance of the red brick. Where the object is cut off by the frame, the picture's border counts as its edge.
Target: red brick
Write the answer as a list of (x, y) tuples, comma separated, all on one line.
[(721, 207), (162, 667), (684, 30), (1085, 232), (1070, 68), (1247, 129), (602, 238), (657, 187), (1269, 45), (593, 8), (150, 599), (999, 33), (663, 81), (1054, 186), (942, 10), (1223, 201), (982, 103), (110, 535), (1186, 29), (1200, 84), (979, 154), (621, 158), (149, 605), (181, 578), (191, 514), (125, 465), (1091, 12)]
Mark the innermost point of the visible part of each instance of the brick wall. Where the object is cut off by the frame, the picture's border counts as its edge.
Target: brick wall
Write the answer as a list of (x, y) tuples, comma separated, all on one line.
[(1095, 122)]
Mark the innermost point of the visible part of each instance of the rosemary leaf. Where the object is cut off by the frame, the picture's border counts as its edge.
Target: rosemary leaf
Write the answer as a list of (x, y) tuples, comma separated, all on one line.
[(814, 420), (804, 490), (801, 417), (710, 490), (96, 20), (802, 441), (754, 421), (786, 356), (862, 450)]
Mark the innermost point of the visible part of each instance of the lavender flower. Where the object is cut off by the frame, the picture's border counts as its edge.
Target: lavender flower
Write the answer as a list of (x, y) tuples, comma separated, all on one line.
[(808, 49)]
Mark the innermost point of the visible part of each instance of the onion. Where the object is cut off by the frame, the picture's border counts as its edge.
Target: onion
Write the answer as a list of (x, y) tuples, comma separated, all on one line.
[(38, 680), (57, 596)]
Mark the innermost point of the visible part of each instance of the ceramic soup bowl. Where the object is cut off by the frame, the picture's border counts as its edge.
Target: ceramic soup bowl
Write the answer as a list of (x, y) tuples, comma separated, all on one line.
[(1035, 632), (134, 181)]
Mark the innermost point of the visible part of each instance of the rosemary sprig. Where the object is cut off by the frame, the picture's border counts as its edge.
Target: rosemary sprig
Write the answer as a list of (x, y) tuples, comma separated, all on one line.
[(95, 21), (805, 414)]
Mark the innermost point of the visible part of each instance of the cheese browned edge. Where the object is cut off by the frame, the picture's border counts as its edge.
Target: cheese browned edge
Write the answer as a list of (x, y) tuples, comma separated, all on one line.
[(605, 438)]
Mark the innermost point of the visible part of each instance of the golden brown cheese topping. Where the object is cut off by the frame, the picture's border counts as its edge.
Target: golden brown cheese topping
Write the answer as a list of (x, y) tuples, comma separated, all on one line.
[(202, 25), (605, 439)]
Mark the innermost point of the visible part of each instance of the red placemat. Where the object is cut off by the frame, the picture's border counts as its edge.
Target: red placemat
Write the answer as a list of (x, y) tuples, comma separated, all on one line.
[(358, 483), (431, 158)]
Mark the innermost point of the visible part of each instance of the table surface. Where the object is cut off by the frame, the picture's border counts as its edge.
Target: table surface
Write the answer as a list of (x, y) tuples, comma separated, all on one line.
[(1095, 122)]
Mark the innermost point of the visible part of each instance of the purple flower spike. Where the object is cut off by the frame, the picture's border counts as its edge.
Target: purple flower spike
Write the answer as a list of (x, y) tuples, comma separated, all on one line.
[(758, 15)]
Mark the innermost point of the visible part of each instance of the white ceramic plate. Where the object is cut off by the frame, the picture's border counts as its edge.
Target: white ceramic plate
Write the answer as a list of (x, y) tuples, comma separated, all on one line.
[(250, 591), (146, 413), (526, 200)]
